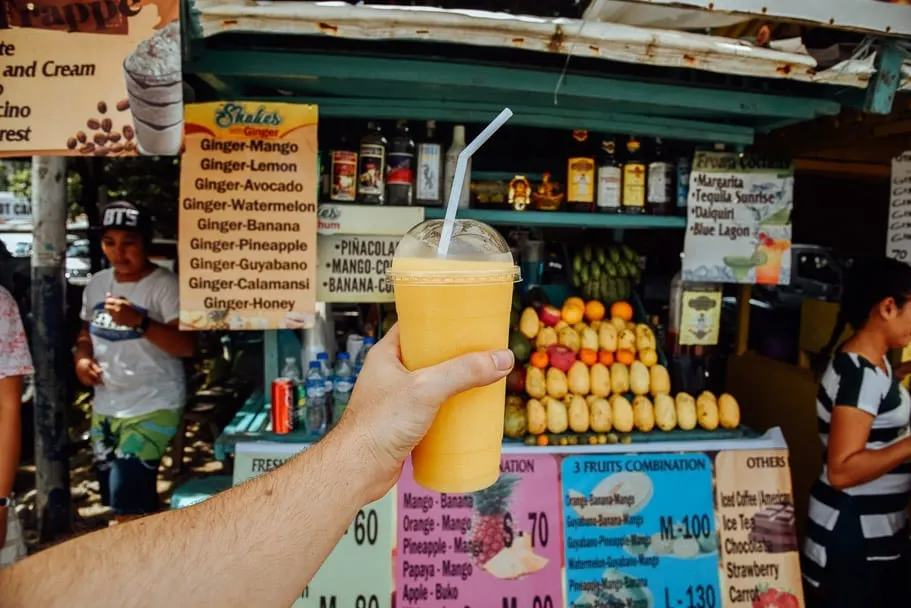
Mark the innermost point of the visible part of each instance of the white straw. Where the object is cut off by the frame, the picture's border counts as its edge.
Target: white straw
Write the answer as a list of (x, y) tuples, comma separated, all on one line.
[(458, 179)]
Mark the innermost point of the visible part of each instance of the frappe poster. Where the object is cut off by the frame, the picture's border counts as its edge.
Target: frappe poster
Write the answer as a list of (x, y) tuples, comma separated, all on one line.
[(738, 226), (90, 77)]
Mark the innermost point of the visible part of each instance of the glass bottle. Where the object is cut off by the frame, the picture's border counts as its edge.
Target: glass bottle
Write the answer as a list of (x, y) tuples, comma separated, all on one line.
[(371, 167), (580, 174), (429, 176), (400, 160), (660, 181), (610, 178), (343, 172), (634, 171)]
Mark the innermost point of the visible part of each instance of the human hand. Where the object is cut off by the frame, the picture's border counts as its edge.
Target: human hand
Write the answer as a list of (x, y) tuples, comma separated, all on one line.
[(392, 408), (88, 371), (122, 311)]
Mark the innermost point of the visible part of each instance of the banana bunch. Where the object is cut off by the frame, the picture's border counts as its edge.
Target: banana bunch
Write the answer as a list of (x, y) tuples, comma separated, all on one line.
[(608, 274)]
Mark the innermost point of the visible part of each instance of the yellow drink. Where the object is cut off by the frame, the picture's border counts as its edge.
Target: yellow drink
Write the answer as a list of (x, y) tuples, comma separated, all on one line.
[(448, 308)]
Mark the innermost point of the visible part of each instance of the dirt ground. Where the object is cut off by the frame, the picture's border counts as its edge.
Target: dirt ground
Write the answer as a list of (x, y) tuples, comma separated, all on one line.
[(89, 514)]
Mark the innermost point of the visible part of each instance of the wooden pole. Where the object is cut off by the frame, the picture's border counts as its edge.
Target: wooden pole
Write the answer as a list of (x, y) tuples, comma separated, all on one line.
[(50, 352)]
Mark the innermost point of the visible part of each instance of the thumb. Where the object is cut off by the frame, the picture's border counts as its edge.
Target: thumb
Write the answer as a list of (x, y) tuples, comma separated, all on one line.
[(439, 382)]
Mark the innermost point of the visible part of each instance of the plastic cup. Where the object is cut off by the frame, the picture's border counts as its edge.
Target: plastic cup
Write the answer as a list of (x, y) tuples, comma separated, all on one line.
[(448, 306)]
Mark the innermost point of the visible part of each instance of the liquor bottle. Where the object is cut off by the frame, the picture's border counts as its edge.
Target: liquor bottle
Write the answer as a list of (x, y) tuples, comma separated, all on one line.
[(452, 158), (633, 200), (400, 160), (580, 174), (610, 178), (343, 172), (429, 177), (660, 180), (371, 167)]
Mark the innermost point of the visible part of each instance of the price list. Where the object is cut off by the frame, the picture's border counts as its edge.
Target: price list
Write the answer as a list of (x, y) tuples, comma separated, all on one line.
[(898, 238), (247, 216), (640, 531), (760, 559), (496, 547)]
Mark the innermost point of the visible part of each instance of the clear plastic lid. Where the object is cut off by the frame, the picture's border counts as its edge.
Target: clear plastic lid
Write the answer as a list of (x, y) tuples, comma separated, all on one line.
[(477, 254)]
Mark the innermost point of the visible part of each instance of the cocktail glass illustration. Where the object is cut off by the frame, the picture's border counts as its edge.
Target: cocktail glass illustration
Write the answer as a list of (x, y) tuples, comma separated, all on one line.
[(769, 273), (741, 265)]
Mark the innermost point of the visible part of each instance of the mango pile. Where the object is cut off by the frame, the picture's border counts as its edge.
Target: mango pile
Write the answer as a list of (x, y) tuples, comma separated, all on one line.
[(593, 374)]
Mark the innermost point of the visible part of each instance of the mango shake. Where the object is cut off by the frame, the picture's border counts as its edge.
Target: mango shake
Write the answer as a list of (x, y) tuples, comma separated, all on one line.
[(448, 307)]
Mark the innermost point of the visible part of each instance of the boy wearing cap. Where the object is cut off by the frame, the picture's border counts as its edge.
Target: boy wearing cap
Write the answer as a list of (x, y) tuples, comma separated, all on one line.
[(129, 350)]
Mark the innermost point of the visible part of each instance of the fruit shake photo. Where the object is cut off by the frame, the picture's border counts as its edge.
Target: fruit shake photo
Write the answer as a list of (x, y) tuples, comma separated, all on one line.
[(154, 83)]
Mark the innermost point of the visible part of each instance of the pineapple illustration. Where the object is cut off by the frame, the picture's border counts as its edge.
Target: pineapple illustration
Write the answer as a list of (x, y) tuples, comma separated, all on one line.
[(487, 535)]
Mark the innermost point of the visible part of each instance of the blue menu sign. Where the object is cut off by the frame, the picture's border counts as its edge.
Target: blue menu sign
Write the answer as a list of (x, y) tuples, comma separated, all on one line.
[(640, 531)]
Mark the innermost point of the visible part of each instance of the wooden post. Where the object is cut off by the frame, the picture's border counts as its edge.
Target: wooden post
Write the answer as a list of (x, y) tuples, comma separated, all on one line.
[(50, 352), (742, 339)]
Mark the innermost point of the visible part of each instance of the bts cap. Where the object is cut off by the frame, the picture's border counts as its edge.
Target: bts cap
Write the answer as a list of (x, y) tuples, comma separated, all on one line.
[(126, 216)]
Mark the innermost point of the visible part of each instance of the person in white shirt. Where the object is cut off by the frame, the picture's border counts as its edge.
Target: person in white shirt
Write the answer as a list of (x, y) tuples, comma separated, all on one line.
[(15, 363), (129, 350)]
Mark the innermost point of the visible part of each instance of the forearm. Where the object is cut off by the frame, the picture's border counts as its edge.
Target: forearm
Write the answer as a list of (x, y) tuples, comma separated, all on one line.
[(170, 339), (84, 349), (867, 465), (257, 544), (10, 431)]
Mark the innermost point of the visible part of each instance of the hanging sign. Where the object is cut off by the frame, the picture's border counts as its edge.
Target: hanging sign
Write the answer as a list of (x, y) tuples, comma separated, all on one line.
[(353, 268), (760, 559), (739, 220), (89, 78), (247, 229), (640, 530), (700, 318), (898, 237), (14, 208), (356, 247), (366, 548), (497, 547)]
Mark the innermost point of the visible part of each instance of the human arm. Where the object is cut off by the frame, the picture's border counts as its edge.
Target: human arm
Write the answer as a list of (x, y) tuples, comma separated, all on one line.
[(228, 549), (166, 336), (87, 369), (15, 362), (10, 439), (849, 463)]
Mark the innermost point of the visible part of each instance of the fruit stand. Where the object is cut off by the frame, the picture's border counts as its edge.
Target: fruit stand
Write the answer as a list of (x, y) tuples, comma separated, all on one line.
[(617, 487)]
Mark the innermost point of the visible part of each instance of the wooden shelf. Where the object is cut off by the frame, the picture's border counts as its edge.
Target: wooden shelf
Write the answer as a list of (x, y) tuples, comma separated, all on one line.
[(562, 219)]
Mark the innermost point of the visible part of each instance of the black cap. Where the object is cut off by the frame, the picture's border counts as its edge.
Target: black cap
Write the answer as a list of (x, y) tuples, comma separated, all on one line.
[(122, 215)]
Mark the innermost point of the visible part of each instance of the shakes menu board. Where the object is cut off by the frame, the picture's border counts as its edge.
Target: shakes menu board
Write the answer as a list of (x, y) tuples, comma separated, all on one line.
[(247, 241), (90, 77)]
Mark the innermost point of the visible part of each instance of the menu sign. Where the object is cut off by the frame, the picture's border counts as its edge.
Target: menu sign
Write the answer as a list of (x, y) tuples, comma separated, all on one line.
[(496, 547), (739, 220), (247, 229), (760, 559), (83, 77), (640, 531), (898, 238), (365, 549), (353, 268)]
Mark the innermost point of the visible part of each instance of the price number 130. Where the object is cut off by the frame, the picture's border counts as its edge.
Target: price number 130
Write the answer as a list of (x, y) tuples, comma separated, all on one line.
[(695, 596)]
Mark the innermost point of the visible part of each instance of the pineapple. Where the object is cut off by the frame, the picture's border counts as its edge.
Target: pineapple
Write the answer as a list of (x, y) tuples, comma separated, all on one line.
[(488, 536)]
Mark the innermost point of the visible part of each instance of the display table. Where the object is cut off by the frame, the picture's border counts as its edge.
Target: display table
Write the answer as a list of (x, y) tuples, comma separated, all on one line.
[(676, 524)]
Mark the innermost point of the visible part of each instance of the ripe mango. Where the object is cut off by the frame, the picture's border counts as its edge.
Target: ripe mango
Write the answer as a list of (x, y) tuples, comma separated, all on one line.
[(686, 411), (660, 380), (579, 379), (638, 378), (529, 323), (728, 411), (619, 378), (600, 415), (665, 412), (643, 414), (621, 414)]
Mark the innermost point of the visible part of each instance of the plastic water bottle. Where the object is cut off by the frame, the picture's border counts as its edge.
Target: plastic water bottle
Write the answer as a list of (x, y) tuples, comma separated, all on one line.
[(315, 410), (290, 370), (342, 385), (362, 355)]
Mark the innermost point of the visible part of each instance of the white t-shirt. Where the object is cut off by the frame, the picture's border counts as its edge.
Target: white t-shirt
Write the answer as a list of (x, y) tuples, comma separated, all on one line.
[(137, 376)]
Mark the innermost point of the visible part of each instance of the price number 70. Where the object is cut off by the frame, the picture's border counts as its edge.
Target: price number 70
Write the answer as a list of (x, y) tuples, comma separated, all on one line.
[(540, 529)]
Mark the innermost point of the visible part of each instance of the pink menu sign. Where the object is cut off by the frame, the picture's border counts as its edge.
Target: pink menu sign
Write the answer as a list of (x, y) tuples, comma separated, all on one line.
[(501, 546)]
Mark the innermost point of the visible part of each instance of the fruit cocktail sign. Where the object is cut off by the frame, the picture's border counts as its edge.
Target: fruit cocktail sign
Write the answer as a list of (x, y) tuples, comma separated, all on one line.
[(739, 220)]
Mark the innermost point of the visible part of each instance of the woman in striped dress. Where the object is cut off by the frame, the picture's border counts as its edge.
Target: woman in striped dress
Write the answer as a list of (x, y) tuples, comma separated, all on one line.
[(857, 547)]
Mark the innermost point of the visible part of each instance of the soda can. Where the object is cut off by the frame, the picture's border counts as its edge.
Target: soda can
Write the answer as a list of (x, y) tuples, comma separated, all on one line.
[(283, 406)]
